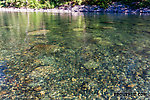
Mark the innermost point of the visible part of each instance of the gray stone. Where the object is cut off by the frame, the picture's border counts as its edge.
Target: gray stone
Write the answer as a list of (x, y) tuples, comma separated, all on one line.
[(100, 10), (148, 10), (114, 8)]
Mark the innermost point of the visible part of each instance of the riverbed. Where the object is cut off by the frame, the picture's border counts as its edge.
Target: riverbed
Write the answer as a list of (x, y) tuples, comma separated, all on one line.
[(74, 56)]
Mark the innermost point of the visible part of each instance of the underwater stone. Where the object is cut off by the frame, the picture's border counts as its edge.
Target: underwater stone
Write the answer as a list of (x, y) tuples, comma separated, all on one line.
[(91, 64), (38, 32), (46, 48)]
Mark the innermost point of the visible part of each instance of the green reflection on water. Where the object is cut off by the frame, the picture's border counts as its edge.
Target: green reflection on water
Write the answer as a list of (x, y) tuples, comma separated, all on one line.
[(66, 56)]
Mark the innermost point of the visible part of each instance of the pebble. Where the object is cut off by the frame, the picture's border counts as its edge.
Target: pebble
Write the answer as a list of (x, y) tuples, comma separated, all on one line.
[(3, 92), (131, 85), (42, 92), (107, 27), (38, 88)]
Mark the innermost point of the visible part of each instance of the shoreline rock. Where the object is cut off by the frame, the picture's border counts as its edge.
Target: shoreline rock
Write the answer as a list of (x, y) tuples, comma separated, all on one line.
[(114, 8)]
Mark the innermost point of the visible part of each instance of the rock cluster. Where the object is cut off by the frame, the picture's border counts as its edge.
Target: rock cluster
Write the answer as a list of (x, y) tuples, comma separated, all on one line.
[(114, 8)]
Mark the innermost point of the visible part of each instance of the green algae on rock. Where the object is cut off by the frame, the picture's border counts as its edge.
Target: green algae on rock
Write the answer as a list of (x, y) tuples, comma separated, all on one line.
[(108, 22), (108, 27), (91, 64), (42, 71), (102, 41), (38, 32), (78, 29), (7, 27), (47, 48)]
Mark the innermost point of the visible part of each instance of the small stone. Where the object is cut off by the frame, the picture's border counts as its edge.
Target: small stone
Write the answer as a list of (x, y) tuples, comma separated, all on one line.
[(42, 92), (148, 52), (91, 64), (109, 22), (104, 90), (107, 27), (119, 43), (3, 92), (78, 29), (38, 88), (73, 79), (131, 85)]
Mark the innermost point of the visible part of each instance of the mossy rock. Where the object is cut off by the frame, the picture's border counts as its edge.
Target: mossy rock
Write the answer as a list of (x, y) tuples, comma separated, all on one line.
[(119, 44), (38, 41), (108, 27), (42, 71), (108, 22), (140, 24), (102, 41), (148, 52), (78, 29), (38, 32), (47, 48), (91, 64), (6, 27), (98, 38)]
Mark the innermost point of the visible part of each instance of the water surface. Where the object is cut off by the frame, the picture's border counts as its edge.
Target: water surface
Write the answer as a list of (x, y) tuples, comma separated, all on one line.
[(66, 56)]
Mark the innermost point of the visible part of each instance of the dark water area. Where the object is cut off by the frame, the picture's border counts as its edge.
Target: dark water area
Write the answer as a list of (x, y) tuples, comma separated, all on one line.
[(74, 56)]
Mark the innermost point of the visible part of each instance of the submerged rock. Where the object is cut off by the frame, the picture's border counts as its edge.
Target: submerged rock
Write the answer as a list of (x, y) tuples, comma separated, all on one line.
[(98, 38), (148, 52), (78, 29), (42, 71), (38, 32), (38, 88), (108, 27), (102, 41), (119, 43), (108, 22), (46, 48), (140, 24), (91, 64), (144, 52), (6, 27)]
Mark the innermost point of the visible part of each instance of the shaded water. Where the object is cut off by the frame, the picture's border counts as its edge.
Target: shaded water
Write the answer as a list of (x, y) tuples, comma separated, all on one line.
[(64, 56)]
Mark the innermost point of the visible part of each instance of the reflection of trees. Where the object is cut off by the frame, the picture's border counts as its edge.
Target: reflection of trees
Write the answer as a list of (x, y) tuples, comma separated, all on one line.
[(17, 24)]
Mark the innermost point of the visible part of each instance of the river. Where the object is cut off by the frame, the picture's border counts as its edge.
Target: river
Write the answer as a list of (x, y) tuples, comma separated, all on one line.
[(74, 56)]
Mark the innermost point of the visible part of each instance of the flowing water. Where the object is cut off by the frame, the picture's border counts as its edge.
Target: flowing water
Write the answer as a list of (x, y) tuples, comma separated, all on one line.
[(74, 56)]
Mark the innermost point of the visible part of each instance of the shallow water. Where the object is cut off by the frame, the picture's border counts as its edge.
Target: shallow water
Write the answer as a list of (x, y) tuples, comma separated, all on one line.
[(78, 56)]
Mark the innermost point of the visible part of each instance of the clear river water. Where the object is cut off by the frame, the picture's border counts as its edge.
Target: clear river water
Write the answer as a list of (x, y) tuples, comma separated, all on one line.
[(46, 56)]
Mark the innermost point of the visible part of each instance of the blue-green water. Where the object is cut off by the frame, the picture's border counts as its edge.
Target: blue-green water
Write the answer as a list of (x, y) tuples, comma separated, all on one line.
[(67, 56)]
